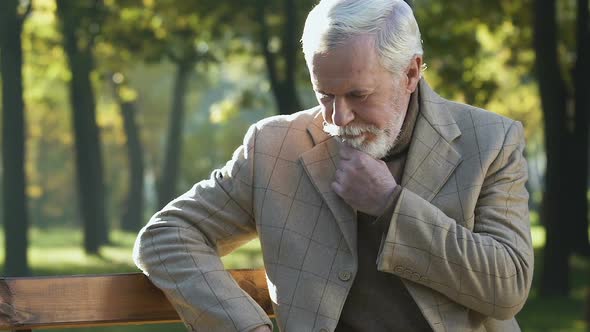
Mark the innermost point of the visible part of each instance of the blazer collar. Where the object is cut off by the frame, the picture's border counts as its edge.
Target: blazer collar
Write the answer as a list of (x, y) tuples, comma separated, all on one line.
[(431, 159), (435, 110)]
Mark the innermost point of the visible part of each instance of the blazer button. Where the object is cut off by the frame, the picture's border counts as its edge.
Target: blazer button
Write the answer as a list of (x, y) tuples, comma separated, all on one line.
[(344, 275)]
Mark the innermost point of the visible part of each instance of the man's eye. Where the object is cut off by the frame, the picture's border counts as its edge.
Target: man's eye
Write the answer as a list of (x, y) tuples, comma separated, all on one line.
[(324, 97)]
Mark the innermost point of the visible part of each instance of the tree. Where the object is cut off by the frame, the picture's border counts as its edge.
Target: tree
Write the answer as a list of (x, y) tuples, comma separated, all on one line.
[(15, 216), (281, 63), (579, 133), (564, 216), (184, 35), (168, 178), (79, 29), (132, 218)]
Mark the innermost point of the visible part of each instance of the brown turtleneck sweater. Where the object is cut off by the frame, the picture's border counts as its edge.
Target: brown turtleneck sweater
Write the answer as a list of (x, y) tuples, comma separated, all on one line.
[(378, 301)]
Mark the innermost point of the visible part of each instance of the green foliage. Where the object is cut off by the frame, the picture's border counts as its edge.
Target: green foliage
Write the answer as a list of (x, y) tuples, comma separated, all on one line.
[(238, 99), (154, 30), (49, 160), (483, 55), (485, 58)]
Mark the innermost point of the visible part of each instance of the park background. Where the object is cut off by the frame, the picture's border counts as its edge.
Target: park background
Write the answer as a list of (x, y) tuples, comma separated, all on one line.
[(110, 108)]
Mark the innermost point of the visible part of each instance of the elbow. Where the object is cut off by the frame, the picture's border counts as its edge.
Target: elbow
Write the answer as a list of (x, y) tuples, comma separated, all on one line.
[(148, 247), (509, 302), (506, 313), (139, 251), (511, 295)]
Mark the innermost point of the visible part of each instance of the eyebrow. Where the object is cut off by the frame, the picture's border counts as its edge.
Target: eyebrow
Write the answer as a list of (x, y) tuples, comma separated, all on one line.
[(359, 92), (352, 92)]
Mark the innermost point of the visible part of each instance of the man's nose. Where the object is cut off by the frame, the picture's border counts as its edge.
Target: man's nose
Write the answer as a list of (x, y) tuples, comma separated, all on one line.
[(342, 114)]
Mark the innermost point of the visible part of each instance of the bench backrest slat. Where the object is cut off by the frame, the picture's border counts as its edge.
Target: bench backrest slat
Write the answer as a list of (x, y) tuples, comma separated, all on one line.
[(101, 300)]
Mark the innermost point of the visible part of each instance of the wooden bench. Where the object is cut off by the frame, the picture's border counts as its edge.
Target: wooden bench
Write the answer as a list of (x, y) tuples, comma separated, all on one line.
[(98, 300)]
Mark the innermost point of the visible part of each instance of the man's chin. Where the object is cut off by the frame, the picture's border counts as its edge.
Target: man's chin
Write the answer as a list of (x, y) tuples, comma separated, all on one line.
[(368, 148), (357, 143)]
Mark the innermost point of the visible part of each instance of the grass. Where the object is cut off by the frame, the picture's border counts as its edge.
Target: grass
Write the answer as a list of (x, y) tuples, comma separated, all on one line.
[(560, 313), (58, 252)]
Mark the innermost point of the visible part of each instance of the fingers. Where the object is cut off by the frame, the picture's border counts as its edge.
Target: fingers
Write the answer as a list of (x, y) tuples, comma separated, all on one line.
[(340, 183), (345, 173), (339, 175), (346, 152), (337, 187)]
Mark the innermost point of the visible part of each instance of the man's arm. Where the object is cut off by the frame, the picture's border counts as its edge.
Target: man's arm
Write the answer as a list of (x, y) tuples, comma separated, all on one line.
[(488, 269), (180, 247)]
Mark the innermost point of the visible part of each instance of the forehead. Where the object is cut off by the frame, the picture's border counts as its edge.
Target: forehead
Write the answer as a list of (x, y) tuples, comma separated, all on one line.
[(352, 65)]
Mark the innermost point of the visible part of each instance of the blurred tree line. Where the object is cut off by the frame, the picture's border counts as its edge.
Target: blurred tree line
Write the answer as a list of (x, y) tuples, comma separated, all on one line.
[(129, 102)]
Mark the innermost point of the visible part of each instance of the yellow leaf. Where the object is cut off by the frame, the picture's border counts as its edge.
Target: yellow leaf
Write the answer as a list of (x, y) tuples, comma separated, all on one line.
[(127, 94), (34, 191)]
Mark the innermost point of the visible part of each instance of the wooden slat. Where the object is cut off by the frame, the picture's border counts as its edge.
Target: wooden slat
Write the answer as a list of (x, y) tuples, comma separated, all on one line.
[(74, 301)]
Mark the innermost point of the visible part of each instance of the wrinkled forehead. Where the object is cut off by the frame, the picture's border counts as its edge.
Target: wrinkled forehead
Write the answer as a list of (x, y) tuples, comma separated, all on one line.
[(355, 62)]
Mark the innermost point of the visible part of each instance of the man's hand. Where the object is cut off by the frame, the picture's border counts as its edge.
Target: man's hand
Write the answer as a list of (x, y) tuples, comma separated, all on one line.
[(262, 328), (363, 182)]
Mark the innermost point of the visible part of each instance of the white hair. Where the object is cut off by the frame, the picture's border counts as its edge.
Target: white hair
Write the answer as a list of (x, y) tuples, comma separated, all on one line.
[(390, 22)]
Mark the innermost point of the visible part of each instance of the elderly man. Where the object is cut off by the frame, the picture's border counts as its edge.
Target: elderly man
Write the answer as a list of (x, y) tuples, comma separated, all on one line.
[(385, 208)]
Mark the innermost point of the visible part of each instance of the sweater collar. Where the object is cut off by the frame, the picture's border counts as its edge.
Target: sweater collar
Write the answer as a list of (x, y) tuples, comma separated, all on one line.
[(405, 137)]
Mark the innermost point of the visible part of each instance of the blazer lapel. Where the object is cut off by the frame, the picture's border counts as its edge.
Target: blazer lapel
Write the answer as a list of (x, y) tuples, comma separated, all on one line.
[(320, 165), (431, 158)]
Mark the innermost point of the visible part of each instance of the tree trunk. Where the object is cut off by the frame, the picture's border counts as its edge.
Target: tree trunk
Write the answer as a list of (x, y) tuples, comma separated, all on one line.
[(579, 145), (555, 273), (15, 213), (269, 57), (132, 219), (169, 174), (290, 51), (284, 90), (87, 142)]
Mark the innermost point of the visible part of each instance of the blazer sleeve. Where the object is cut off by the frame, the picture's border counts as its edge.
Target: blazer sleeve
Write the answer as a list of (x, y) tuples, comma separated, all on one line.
[(180, 248), (488, 269)]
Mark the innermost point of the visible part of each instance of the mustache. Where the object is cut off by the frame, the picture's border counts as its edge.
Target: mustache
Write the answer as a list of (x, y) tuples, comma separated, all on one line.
[(350, 130)]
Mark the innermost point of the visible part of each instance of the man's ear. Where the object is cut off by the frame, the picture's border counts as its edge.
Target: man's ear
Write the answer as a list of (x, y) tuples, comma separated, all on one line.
[(414, 73)]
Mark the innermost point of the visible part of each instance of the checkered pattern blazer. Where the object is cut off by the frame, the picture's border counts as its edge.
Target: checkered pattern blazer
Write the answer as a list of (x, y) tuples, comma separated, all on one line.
[(459, 237)]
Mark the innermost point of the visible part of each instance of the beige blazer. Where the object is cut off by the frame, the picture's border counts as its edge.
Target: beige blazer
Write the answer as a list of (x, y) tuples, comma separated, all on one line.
[(459, 237)]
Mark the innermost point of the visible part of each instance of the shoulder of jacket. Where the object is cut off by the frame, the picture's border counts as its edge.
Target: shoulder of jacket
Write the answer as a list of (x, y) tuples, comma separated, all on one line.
[(299, 119), (468, 116)]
